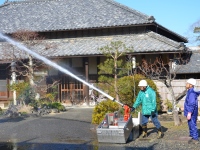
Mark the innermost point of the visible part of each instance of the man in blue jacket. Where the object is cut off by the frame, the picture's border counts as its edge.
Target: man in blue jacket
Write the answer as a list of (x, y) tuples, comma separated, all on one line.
[(191, 109), (147, 98)]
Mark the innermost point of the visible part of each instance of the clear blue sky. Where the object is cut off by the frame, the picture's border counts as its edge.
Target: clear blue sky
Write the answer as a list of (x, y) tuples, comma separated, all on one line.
[(176, 15)]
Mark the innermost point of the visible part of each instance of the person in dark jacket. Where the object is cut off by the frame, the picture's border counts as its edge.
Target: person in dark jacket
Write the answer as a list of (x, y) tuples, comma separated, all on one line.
[(147, 98), (191, 109)]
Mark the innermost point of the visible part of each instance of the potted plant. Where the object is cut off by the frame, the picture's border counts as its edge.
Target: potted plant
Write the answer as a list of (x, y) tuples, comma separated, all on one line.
[(169, 106)]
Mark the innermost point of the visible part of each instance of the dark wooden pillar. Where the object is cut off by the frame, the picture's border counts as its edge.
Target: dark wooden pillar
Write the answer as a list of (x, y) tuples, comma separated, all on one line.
[(98, 62), (87, 79)]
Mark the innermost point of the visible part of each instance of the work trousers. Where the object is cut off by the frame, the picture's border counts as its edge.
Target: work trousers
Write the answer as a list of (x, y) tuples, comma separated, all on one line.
[(192, 124), (154, 119)]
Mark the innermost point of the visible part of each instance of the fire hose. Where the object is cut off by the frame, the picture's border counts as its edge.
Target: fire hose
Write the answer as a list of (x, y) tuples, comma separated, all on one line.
[(127, 109)]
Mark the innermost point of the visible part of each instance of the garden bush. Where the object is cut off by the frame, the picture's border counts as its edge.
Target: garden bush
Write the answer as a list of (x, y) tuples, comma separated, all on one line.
[(57, 105), (102, 108), (128, 89)]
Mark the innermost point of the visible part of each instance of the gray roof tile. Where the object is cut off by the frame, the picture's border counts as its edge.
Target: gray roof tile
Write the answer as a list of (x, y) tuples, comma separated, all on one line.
[(51, 15), (193, 66), (141, 43)]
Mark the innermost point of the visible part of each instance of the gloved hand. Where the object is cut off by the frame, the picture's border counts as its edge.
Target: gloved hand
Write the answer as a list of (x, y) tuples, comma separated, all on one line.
[(132, 109), (153, 114), (189, 116)]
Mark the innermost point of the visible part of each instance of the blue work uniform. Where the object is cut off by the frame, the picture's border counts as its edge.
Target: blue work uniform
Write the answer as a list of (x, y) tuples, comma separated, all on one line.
[(191, 105)]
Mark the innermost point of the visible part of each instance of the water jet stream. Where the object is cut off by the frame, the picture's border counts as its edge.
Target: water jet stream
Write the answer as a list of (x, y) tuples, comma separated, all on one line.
[(56, 66)]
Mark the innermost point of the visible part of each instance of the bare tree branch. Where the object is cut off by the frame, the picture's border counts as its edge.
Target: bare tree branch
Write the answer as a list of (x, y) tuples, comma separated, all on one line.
[(166, 73), (26, 64)]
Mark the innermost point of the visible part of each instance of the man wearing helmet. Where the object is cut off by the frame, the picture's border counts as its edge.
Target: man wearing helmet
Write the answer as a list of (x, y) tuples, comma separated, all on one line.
[(191, 109), (147, 98)]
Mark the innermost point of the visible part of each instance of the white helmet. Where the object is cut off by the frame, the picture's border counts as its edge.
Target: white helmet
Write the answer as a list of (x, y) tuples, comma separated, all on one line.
[(192, 81), (142, 83)]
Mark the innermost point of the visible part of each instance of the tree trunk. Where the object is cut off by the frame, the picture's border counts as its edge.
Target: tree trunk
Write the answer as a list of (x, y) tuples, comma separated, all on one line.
[(31, 78), (177, 120), (115, 78)]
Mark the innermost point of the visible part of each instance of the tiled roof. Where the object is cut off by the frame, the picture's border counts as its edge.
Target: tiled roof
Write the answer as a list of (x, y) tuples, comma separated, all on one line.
[(53, 15), (141, 43), (193, 66)]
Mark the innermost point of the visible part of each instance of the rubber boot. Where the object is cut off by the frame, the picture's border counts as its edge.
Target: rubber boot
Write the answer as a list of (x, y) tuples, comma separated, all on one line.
[(160, 133), (144, 131)]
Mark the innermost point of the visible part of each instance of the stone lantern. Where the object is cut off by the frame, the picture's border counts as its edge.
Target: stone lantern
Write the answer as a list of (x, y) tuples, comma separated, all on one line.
[(13, 77)]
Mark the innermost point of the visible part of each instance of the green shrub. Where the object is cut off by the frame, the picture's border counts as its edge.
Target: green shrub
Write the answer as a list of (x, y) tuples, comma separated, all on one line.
[(169, 104), (53, 105), (128, 89), (25, 92), (102, 108), (57, 105)]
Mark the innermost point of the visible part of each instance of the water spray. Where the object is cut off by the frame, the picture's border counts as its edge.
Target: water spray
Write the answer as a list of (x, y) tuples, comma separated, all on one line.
[(56, 66)]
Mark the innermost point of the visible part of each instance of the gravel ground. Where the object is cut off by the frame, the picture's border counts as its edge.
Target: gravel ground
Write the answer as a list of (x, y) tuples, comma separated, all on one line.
[(175, 137)]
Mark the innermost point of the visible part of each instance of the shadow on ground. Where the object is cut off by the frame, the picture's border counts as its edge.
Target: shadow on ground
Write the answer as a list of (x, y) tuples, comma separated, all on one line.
[(154, 130), (8, 119), (84, 146)]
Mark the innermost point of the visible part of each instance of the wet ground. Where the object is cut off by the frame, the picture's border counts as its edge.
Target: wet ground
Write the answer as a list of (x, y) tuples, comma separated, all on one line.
[(72, 130), (67, 130)]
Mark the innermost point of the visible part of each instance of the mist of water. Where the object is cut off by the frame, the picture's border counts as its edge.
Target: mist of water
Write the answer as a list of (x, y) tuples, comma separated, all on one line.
[(54, 65)]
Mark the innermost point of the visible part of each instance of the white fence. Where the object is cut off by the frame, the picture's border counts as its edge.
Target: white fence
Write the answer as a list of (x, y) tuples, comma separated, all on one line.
[(178, 87)]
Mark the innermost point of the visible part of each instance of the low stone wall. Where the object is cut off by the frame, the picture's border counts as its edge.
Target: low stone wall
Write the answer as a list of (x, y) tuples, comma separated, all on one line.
[(178, 86)]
